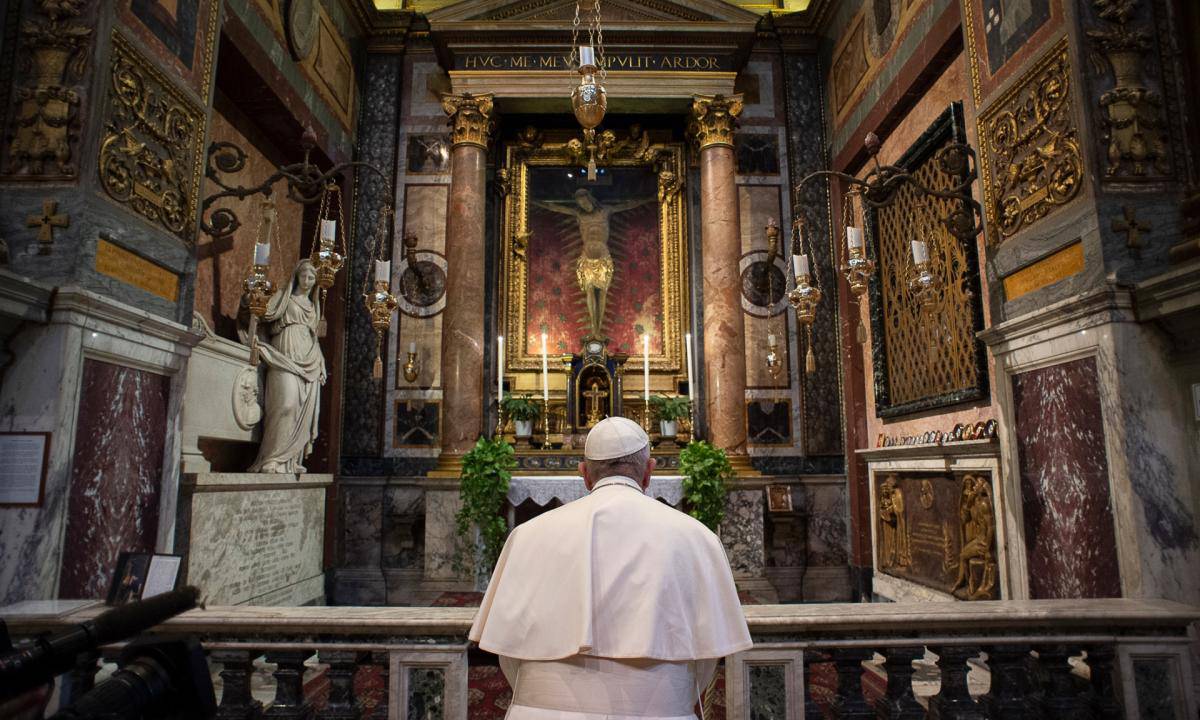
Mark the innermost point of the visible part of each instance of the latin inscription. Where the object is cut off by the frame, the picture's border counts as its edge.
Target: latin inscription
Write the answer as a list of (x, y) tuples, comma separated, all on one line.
[(615, 62), (117, 262), (1048, 270)]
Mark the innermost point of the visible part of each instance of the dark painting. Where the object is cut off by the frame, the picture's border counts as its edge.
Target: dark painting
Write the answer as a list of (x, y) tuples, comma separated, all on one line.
[(769, 422), (757, 154), (173, 22), (416, 423), (428, 153), (1007, 24)]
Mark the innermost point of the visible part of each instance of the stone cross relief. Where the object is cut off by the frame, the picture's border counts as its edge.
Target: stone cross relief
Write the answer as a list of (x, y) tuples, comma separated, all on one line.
[(1131, 226), (46, 222)]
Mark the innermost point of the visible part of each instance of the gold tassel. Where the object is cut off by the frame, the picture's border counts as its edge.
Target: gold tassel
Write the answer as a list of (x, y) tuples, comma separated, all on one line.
[(862, 333), (377, 371), (322, 327), (810, 360)]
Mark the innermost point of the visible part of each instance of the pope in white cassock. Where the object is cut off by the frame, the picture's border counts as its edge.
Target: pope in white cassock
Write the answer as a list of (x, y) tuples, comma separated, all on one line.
[(613, 606)]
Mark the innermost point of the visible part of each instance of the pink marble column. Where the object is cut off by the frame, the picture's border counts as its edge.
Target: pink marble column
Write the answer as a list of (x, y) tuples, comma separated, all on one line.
[(462, 321), (713, 123)]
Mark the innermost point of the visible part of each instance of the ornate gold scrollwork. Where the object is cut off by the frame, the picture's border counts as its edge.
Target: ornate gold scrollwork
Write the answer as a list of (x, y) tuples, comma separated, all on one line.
[(470, 118), (1131, 120), (1030, 147), (714, 119), (54, 56), (153, 140)]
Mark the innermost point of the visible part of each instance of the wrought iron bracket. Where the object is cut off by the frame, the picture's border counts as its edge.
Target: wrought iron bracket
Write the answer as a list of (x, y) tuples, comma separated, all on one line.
[(879, 186), (305, 183)]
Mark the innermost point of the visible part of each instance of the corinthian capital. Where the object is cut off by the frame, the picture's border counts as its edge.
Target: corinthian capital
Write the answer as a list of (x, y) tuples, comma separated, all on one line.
[(471, 117), (714, 118)]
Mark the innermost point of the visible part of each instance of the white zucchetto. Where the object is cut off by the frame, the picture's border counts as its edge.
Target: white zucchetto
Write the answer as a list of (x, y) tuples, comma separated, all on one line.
[(614, 437)]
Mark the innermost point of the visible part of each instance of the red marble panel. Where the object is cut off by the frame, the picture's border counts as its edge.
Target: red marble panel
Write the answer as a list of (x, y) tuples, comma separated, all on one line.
[(116, 474), (1070, 541)]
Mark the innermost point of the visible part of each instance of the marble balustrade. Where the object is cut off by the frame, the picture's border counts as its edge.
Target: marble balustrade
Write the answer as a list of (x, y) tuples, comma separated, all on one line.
[(1005, 659)]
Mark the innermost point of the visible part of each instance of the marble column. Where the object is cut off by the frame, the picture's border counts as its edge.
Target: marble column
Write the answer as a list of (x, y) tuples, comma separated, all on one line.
[(462, 321), (714, 119)]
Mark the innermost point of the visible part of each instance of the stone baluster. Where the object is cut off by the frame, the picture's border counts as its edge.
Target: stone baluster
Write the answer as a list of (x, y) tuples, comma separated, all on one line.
[(954, 699), (900, 703), (236, 701), (1066, 696), (343, 703), (383, 661), (1012, 695), (714, 119), (289, 702), (1105, 702), (462, 320), (850, 704)]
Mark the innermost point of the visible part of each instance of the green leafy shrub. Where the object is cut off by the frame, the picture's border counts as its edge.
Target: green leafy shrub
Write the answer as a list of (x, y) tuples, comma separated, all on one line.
[(705, 470), (669, 408), (487, 470), (521, 408)]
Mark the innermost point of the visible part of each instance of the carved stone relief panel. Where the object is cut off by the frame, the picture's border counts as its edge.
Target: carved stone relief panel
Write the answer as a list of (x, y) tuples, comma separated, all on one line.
[(1029, 148), (55, 41), (938, 530), (153, 142), (1126, 87)]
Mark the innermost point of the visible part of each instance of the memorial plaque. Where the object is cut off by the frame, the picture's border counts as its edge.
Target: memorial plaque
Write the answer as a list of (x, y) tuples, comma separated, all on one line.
[(117, 262), (23, 458), (250, 546), (1047, 271), (938, 530)]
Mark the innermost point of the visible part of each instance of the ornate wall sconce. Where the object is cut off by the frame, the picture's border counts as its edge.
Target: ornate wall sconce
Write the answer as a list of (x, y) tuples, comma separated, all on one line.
[(329, 247), (257, 287), (805, 295), (411, 369), (379, 300), (878, 189)]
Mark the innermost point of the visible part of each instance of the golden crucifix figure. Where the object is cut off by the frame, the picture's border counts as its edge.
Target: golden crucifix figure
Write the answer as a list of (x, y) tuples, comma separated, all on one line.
[(593, 397), (594, 269)]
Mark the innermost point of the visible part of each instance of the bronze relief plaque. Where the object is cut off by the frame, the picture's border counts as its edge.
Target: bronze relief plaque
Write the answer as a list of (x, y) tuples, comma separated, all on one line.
[(938, 530)]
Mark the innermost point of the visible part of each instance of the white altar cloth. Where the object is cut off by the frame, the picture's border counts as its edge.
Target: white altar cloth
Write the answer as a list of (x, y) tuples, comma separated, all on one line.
[(565, 488)]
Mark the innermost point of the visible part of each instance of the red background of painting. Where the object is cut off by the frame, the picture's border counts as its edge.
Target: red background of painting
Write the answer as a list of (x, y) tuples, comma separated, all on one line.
[(554, 302)]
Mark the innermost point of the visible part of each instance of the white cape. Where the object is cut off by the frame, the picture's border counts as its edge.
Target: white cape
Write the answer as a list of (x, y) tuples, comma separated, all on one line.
[(615, 574)]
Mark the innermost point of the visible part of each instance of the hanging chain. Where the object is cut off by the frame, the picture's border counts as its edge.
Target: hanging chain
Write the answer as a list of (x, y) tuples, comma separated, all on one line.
[(572, 62), (598, 41)]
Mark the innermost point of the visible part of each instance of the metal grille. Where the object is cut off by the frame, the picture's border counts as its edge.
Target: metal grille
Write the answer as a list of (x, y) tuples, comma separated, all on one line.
[(928, 359)]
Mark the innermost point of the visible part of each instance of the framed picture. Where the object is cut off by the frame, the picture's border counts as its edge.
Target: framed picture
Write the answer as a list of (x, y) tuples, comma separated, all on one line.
[(23, 460), (143, 575), (779, 498)]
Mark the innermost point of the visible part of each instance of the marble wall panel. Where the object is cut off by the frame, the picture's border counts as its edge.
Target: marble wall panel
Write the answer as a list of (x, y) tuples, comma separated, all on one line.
[(404, 528), (742, 533), (1068, 516), (822, 507), (361, 519), (116, 473), (362, 411), (821, 389), (441, 543)]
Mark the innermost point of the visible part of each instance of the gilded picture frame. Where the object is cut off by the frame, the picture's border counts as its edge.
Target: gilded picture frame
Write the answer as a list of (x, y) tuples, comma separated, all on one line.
[(667, 160)]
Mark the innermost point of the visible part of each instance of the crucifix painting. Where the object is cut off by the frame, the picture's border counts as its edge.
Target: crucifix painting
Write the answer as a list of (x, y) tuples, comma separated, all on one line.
[(595, 259)]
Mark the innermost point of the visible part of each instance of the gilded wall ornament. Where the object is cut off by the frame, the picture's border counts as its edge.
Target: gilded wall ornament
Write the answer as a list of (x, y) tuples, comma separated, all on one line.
[(46, 222), (53, 56), (1131, 118), (470, 118), (1029, 142), (153, 140), (714, 119)]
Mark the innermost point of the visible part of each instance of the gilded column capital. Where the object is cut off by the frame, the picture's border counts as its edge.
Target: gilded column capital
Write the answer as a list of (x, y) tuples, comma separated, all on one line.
[(471, 117), (714, 118)]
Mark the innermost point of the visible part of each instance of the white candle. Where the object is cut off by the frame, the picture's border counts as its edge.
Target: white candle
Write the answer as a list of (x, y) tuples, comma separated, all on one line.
[(328, 230), (587, 56), (770, 339), (920, 251), (854, 237), (687, 341), (646, 366), (499, 368), (412, 347), (383, 271), (800, 265), (545, 374), (262, 253)]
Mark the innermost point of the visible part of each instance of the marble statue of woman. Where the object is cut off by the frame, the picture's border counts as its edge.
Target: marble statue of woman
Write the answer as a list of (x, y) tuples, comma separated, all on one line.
[(295, 372)]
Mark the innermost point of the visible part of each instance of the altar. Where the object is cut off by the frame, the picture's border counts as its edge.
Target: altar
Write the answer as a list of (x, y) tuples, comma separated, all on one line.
[(544, 489)]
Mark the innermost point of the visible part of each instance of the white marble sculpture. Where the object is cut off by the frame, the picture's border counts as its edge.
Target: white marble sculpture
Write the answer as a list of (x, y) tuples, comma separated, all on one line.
[(295, 372)]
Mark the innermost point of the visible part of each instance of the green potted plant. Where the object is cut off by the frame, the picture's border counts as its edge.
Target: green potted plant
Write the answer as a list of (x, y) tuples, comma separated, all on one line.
[(480, 523), (523, 410), (668, 411), (705, 470)]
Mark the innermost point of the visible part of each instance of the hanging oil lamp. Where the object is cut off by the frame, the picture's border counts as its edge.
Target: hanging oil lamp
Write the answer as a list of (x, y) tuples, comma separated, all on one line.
[(258, 288), (329, 247), (380, 301), (806, 295), (589, 100)]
